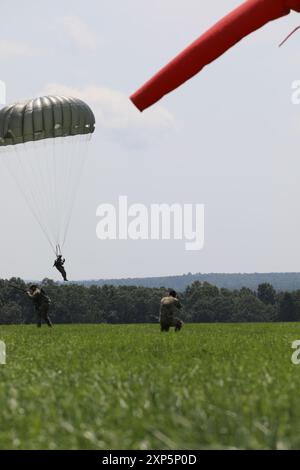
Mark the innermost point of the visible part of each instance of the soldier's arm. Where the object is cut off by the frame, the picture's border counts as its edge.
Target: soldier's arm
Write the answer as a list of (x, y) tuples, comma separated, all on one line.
[(178, 304), (34, 294)]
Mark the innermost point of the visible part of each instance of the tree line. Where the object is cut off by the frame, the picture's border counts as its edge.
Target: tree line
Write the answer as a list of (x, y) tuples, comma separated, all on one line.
[(202, 303), (280, 281)]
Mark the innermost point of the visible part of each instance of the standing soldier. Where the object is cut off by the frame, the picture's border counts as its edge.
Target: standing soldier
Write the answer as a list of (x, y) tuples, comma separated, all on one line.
[(41, 303), (169, 307)]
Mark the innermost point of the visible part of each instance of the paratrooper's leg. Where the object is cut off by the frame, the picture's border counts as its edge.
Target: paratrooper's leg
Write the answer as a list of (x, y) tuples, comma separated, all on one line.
[(45, 315)]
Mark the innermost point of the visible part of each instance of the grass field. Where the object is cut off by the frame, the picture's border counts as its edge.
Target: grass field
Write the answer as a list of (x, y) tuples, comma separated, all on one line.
[(131, 387)]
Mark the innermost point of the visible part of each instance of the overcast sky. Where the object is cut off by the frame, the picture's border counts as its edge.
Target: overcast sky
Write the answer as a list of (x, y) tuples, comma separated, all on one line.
[(229, 138)]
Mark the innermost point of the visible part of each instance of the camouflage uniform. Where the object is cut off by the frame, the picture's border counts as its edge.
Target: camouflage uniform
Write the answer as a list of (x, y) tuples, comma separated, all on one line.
[(41, 303), (169, 307), (59, 264)]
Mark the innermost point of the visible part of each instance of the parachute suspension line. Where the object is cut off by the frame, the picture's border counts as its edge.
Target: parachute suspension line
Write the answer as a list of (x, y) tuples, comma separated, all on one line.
[(70, 162), (50, 172), (7, 159), (37, 182), (81, 157), (38, 202), (58, 250), (42, 150), (55, 202), (72, 174), (36, 155), (24, 164)]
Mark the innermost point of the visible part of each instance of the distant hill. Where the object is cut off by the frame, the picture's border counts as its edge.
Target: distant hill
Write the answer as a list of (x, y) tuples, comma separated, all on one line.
[(280, 281)]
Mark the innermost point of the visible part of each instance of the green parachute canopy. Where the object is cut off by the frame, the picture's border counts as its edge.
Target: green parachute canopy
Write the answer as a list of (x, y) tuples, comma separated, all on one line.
[(44, 118)]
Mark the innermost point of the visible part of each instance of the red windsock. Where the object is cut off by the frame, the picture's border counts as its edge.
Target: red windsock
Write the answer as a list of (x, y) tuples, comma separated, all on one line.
[(245, 19)]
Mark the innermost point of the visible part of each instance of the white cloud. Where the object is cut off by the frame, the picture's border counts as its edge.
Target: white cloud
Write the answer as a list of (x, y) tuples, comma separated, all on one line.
[(82, 35), (15, 49), (116, 116)]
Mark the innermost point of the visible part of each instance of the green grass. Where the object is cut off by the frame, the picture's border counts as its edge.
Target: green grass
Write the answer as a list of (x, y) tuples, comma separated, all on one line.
[(131, 387)]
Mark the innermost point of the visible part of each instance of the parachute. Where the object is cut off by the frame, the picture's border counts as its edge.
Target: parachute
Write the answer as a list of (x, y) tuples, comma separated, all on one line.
[(247, 18), (44, 143)]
